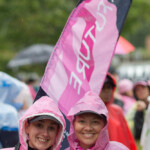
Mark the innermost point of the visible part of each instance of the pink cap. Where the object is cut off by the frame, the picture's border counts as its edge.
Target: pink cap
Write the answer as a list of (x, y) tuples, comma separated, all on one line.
[(140, 83), (125, 85)]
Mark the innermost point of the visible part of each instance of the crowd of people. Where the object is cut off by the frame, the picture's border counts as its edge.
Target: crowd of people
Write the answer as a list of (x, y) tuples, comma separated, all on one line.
[(133, 97), (15, 99), (111, 120)]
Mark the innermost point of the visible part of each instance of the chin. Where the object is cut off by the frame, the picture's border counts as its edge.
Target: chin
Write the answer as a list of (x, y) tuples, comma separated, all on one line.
[(42, 147)]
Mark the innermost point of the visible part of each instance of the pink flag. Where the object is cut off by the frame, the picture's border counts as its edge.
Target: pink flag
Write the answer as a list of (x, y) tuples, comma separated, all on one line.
[(123, 46), (83, 53)]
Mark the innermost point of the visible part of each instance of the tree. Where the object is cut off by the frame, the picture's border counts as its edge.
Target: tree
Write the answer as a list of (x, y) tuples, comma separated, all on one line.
[(137, 24), (26, 22)]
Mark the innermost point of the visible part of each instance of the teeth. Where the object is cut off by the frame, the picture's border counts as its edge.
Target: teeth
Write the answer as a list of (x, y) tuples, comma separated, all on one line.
[(42, 140), (88, 134)]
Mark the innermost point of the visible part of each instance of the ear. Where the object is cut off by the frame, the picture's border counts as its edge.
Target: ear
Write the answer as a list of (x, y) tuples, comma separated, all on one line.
[(27, 126)]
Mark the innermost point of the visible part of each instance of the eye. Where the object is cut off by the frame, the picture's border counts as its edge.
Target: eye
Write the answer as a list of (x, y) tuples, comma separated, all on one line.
[(52, 128), (38, 125), (81, 121), (96, 122)]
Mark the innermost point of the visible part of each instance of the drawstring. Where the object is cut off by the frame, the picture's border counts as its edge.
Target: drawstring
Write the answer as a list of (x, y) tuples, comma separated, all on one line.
[(17, 146)]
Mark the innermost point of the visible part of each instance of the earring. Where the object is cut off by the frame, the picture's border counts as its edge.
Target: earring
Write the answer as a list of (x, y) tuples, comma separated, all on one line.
[(27, 137)]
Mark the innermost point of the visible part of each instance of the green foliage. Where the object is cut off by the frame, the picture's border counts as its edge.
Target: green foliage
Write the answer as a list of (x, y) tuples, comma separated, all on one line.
[(137, 24), (27, 22)]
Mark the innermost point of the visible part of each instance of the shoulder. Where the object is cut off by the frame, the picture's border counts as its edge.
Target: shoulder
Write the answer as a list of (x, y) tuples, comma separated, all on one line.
[(115, 107), (67, 148), (11, 148), (116, 145)]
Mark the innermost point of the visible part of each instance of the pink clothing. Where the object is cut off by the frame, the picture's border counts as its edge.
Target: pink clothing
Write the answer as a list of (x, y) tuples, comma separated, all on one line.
[(125, 85), (92, 102), (43, 106), (12, 148), (128, 103), (84, 51), (32, 91)]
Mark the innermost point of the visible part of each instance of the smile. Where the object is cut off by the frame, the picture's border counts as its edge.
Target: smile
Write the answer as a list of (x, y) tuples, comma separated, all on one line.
[(88, 135), (42, 140)]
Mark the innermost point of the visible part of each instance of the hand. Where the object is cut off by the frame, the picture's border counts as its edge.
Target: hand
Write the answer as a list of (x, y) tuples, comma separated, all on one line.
[(140, 105)]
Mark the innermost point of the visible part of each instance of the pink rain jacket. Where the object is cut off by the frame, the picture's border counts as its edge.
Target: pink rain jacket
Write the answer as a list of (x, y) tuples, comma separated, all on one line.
[(92, 102), (43, 106), (128, 103)]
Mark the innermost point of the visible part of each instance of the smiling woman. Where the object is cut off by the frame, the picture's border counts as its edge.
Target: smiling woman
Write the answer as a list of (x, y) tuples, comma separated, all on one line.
[(42, 133), (87, 127), (88, 130), (41, 127)]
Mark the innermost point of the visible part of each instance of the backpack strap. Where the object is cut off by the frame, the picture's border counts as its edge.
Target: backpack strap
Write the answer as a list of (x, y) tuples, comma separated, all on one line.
[(17, 146)]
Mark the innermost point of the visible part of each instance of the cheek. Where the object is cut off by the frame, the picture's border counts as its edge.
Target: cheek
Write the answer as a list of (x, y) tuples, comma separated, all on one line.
[(102, 95), (32, 132), (99, 128), (77, 127), (110, 92), (137, 93), (54, 133), (147, 92), (53, 136), (140, 94)]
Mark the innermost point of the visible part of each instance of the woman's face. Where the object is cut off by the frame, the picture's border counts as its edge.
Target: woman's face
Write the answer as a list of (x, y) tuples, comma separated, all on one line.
[(87, 129), (42, 134), (106, 92), (141, 92)]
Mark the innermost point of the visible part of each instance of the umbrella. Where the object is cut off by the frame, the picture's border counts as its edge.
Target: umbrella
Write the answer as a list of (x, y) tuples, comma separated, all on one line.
[(34, 54), (123, 46), (10, 87)]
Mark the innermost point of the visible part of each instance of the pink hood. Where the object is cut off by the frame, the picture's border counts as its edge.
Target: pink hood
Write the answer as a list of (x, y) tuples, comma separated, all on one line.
[(43, 106), (92, 102)]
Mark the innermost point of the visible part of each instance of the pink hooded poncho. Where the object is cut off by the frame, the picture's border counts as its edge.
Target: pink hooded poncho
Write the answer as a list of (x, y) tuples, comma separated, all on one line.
[(43, 106), (92, 102)]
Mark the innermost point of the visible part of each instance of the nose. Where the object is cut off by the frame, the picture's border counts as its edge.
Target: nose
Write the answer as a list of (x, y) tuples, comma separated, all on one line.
[(88, 126), (45, 132)]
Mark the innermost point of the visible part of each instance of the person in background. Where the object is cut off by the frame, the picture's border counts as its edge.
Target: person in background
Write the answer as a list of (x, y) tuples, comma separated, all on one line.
[(141, 93), (25, 98), (8, 125), (41, 127), (88, 130), (117, 97), (117, 125), (30, 82), (145, 135), (125, 89)]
